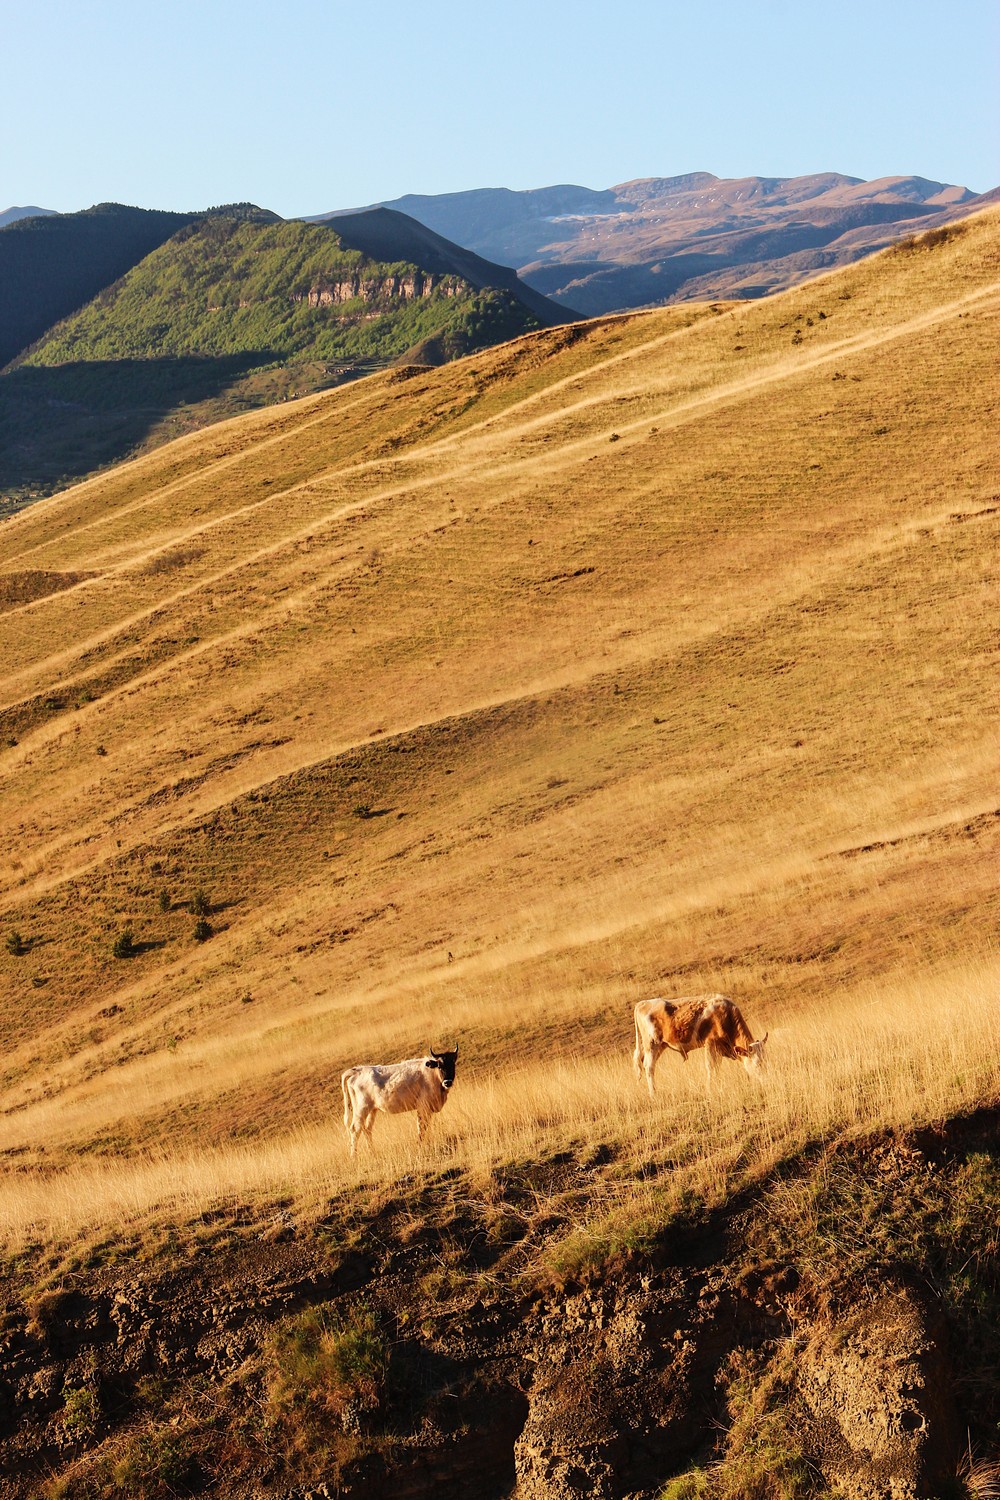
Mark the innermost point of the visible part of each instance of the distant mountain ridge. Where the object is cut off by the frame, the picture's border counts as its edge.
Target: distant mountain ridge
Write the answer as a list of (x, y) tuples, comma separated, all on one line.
[(694, 236), (11, 215)]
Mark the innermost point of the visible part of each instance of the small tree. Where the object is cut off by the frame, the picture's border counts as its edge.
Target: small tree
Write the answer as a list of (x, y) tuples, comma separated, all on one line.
[(202, 930), (200, 904), (16, 944), (124, 944)]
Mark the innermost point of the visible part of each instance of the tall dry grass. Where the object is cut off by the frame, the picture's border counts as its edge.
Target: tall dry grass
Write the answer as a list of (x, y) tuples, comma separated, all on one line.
[(880, 1057)]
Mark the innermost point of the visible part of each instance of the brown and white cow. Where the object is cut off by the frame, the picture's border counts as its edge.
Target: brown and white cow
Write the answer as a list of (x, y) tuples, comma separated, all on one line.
[(709, 1021), (418, 1085)]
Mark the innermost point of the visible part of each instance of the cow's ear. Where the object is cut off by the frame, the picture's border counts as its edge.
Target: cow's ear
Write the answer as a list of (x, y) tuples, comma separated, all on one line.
[(432, 1062)]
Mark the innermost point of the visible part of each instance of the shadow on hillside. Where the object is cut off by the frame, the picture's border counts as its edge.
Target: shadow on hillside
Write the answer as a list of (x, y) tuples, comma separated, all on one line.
[(148, 945), (61, 422)]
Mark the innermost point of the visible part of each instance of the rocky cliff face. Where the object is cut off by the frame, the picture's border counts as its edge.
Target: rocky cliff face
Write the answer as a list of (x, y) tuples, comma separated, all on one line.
[(405, 288)]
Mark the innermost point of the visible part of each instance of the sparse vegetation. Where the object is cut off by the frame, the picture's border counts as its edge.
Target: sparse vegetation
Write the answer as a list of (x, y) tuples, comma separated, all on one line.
[(80, 1411), (200, 905), (155, 1462), (931, 239), (124, 943), (325, 1381), (322, 1367)]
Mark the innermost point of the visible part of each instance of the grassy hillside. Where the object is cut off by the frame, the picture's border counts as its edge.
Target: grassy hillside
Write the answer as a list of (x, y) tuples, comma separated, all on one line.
[(650, 655), (732, 728), (233, 313)]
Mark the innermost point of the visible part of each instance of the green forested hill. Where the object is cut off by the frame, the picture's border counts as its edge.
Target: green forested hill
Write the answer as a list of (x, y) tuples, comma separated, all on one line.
[(222, 287), (52, 264), (234, 312)]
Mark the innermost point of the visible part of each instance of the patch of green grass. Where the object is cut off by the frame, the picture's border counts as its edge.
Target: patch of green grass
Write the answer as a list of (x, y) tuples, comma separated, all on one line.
[(81, 1410), (325, 1373), (159, 1460), (764, 1459)]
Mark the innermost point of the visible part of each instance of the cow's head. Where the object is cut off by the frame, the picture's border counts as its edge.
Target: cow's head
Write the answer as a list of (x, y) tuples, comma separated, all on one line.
[(445, 1062), (754, 1056)]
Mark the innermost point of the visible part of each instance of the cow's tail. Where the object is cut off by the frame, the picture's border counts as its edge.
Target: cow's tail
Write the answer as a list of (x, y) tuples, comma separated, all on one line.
[(345, 1082)]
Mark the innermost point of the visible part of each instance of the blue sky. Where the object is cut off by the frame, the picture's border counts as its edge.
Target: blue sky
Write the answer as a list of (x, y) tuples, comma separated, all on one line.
[(306, 106)]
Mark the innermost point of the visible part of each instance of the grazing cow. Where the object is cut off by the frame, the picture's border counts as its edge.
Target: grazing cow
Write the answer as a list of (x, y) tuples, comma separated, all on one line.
[(420, 1085), (710, 1021)]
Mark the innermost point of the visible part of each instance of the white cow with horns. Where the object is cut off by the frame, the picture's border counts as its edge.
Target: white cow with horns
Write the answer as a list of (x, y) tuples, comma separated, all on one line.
[(419, 1085)]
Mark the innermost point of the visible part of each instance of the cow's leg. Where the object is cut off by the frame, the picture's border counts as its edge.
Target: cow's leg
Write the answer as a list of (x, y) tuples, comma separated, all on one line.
[(364, 1119), (423, 1125), (650, 1060), (713, 1055), (639, 1052)]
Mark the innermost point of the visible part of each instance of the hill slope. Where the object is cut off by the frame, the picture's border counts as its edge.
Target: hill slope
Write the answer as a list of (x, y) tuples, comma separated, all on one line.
[(650, 655), (235, 311), (666, 239), (52, 264), (732, 557)]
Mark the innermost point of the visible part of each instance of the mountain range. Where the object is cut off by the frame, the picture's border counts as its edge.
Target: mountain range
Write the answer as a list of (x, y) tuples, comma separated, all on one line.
[(11, 215), (123, 327), (666, 239)]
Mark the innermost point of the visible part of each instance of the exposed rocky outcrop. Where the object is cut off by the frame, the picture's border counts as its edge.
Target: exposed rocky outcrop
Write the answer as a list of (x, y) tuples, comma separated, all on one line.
[(879, 1401), (699, 1358), (625, 1403), (403, 288)]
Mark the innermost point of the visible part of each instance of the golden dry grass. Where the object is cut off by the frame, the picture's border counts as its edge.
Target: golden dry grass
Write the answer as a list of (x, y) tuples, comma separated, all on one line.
[(658, 651), (901, 1055)]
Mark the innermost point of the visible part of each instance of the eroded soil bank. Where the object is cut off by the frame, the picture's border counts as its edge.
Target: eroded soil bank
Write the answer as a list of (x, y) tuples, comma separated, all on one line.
[(833, 1333)]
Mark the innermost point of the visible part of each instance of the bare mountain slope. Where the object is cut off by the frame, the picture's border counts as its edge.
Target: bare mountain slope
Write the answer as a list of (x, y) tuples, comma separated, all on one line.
[(665, 239)]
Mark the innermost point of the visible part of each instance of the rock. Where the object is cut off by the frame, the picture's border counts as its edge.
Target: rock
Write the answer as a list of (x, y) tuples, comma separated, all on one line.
[(611, 1406), (881, 1421)]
